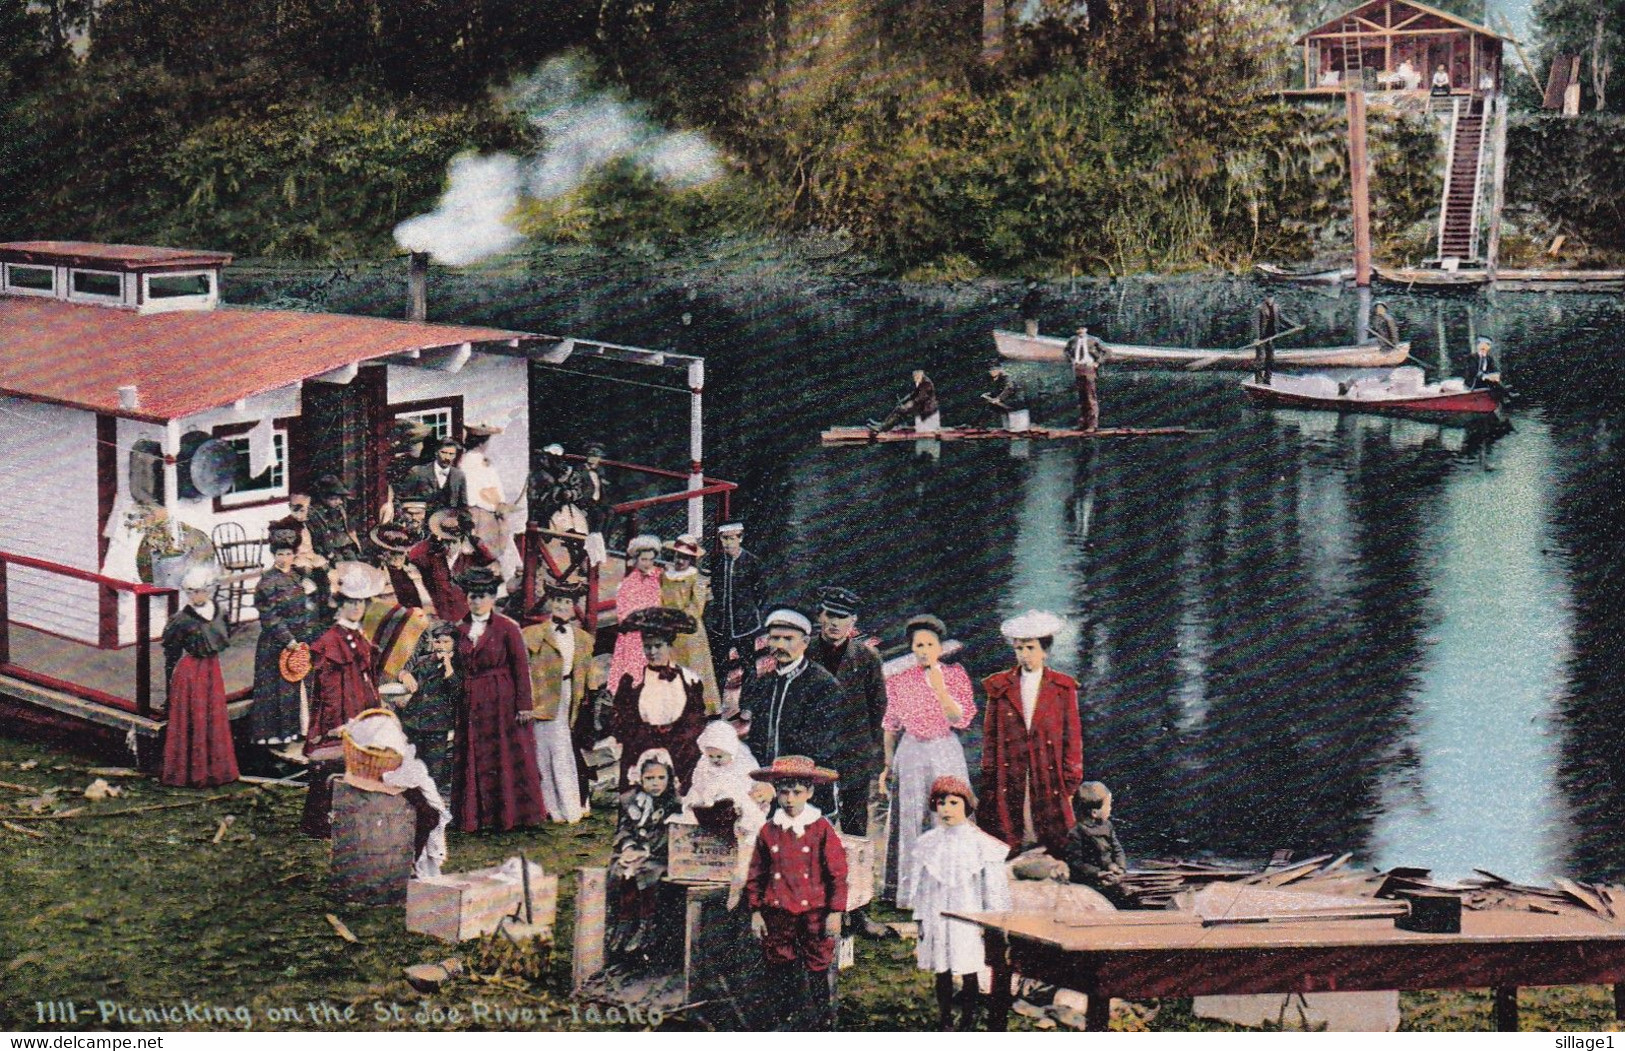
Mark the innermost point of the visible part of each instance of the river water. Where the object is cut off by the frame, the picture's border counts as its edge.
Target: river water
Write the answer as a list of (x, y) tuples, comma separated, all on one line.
[(1298, 632)]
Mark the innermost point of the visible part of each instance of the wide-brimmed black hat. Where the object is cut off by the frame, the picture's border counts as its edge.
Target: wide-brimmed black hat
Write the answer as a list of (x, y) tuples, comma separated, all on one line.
[(479, 580), (330, 485), (661, 622), (392, 537)]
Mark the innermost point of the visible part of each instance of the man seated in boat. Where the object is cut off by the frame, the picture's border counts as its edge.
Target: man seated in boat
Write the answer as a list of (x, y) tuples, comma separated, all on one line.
[(1482, 371), (1383, 328), (1007, 398), (921, 404)]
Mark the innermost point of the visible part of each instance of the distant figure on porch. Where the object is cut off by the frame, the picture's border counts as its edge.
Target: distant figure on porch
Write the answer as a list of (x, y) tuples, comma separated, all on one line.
[(197, 742), (1441, 81), (330, 531)]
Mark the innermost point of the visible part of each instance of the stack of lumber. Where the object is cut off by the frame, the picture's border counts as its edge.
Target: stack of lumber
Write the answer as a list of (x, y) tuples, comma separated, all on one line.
[(1162, 884)]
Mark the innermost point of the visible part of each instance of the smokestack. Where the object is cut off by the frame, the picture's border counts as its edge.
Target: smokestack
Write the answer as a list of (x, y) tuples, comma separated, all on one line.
[(129, 397), (417, 287)]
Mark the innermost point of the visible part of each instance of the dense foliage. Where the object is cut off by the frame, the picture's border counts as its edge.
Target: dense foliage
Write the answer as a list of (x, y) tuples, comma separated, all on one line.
[(1112, 136)]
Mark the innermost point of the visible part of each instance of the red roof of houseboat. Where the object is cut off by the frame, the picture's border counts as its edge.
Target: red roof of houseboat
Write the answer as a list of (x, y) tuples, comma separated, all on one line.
[(185, 362)]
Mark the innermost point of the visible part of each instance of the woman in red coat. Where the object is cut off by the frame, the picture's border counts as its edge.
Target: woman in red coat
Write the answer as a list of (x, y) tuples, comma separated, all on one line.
[(342, 660), (1032, 746), (496, 781), (198, 751)]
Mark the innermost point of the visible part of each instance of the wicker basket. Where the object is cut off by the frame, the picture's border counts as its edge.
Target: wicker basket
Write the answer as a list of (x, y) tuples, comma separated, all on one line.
[(366, 761)]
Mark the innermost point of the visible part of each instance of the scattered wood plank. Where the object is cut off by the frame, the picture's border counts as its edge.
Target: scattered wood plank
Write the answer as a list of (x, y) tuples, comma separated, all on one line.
[(225, 826), (36, 833), (30, 789), (1581, 895), (114, 771), (341, 930)]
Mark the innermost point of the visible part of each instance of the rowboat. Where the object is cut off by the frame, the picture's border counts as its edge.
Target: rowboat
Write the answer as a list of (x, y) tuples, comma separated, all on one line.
[(1020, 347), (1427, 277), (864, 436), (1399, 393), (1560, 280), (1282, 276)]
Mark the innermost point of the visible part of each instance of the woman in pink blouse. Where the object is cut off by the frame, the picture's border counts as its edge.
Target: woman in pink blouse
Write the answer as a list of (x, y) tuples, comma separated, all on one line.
[(924, 706), (640, 589)]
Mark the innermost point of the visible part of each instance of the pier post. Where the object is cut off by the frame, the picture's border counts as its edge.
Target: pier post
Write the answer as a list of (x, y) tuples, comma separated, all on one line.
[(1359, 188)]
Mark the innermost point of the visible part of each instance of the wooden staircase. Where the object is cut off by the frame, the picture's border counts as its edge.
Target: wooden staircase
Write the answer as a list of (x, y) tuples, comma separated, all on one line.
[(1458, 214)]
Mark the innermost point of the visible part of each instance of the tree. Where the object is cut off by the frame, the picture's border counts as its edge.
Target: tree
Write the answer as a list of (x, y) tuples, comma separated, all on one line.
[(1593, 29)]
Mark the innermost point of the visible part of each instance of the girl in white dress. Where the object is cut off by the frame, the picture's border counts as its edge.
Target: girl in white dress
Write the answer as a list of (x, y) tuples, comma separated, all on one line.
[(957, 868)]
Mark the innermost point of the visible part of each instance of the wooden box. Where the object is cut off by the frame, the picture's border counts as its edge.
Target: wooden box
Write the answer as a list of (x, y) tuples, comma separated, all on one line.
[(457, 906), (698, 856), (860, 870)]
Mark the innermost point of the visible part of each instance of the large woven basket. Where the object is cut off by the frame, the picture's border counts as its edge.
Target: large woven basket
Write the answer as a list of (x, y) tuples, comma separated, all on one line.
[(366, 761)]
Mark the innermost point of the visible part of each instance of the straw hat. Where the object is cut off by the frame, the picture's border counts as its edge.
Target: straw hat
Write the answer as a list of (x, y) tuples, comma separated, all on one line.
[(294, 663), (795, 768)]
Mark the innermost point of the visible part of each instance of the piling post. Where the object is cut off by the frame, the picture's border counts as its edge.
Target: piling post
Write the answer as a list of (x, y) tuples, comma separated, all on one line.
[(1359, 189)]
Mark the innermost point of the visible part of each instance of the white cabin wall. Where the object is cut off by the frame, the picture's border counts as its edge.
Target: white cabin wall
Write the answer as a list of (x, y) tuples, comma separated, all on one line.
[(496, 390), (199, 514), (48, 511)]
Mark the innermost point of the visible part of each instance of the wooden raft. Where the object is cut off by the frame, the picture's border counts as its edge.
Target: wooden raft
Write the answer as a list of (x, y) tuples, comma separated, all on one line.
[(864, 436)]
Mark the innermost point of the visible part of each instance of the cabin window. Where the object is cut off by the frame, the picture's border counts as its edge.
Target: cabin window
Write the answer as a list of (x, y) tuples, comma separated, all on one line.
[(269, 484), (172, 286), (439, 420), (23, 278), (96, 284)]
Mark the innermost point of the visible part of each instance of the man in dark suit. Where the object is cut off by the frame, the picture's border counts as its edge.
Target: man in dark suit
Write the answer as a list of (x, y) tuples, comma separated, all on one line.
[(734, 617), (441, 482)]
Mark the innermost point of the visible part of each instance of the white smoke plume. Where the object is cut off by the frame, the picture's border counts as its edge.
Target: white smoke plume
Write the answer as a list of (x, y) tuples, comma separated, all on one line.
[(582, 130), (471, 221)]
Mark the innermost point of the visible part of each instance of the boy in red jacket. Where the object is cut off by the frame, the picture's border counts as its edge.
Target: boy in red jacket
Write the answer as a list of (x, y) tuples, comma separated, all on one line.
[(796, 892)]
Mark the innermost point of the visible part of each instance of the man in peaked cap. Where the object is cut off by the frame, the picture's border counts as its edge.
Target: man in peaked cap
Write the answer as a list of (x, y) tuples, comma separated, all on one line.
[(857, 669), (855, 721)]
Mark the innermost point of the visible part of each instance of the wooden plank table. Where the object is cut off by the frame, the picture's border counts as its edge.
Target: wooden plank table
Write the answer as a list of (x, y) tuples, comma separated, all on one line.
[(1496, 949)]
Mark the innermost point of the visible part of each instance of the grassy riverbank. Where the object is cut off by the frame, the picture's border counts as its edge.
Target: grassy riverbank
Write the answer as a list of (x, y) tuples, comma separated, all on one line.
[(145, 909)]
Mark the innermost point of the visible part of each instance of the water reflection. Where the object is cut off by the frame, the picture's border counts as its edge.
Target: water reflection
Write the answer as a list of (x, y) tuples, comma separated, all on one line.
[(1302, 632)]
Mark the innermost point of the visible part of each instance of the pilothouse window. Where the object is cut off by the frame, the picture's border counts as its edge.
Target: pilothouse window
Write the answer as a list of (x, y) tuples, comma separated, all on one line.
[(98, 283), (170, 286), (30, 278)]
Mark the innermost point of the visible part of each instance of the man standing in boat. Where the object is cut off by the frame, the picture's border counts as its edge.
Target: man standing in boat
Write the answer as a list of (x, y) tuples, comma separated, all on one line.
[(1087, 354), (1269, 325), (1383, 328), (1030, 304), (921, 403), (1007, 398)]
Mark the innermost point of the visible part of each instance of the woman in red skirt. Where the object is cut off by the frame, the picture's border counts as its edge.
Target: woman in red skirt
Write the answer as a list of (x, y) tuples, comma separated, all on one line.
[(198, 751)]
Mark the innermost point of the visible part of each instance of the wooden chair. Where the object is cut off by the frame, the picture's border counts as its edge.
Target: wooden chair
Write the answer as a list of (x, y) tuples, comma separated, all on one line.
[(241, 559)]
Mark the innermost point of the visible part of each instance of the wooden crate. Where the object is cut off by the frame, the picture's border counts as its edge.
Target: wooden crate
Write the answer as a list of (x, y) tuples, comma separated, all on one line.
[(457, 906), (698, 856), (860, 870)]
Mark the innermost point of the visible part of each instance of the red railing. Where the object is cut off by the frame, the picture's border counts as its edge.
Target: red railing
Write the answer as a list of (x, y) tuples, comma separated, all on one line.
[(596, 605), (144, 594)]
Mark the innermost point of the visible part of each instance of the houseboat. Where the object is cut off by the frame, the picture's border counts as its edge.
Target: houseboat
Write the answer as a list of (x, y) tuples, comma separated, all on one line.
[(121, 370)]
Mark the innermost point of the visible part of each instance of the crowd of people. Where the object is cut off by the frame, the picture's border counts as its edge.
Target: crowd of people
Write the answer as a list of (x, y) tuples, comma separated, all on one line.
[(501, 706)]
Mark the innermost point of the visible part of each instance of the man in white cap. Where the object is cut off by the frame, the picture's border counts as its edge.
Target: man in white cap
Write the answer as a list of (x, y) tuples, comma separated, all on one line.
[(343, 659), (795, 708), (734, 617), (1032, 741)]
